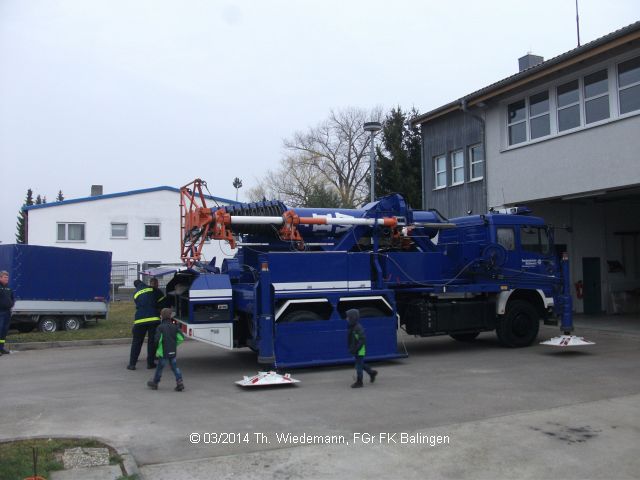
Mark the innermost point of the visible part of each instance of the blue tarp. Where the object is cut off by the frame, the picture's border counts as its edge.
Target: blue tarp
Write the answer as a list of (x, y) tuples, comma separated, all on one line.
[(53, 273)]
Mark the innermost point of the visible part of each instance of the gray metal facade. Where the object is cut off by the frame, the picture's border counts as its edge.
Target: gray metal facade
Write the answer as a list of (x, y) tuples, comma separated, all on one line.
[(584, 180), (457, 131)]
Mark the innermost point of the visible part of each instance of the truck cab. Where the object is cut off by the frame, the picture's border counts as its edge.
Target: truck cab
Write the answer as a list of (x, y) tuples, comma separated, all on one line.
[(501, 273)]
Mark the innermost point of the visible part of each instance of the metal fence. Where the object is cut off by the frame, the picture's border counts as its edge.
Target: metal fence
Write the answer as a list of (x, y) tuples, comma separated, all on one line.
[(123, 274)]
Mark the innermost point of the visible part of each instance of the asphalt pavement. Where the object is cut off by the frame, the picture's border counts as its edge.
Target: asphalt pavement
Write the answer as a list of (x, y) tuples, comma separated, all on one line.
[(508, 413)]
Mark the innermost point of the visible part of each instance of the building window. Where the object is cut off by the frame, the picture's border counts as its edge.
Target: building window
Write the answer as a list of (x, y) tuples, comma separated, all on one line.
[(440, 167), (517, 122), (575, 104), (151, 230), (457, 167), (533, 111), (596, 97), (539, 115), (118, 230), (71, 232), (476, 162), (629, 85), (568, 96)]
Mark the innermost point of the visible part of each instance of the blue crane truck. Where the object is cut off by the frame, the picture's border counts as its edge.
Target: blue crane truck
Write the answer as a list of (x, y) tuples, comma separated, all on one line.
[(296, 272), (56, 288)]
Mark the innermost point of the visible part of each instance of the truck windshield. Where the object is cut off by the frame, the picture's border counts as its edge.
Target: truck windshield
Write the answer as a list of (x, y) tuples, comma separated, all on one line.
[(534, 239)]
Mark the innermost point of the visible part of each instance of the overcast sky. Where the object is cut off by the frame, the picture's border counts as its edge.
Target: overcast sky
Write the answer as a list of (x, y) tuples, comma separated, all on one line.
[(134, 94)]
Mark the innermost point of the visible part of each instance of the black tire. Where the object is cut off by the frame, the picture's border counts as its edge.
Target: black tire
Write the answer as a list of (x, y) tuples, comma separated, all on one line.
[(300, 316), (48, 324), (465, 337), (519, 326), (366, 312), (72, 323), (25, 327)]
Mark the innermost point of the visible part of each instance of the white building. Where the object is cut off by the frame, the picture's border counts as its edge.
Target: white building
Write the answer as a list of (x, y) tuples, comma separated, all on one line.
[(140, 227)]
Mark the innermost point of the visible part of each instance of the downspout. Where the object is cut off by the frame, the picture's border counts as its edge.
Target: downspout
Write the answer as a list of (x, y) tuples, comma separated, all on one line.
[(483, 135), (423, 185), (422, 179)]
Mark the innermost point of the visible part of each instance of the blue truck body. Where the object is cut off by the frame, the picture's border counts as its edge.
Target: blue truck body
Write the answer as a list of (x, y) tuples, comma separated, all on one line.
[(428, 275), (56, 287)]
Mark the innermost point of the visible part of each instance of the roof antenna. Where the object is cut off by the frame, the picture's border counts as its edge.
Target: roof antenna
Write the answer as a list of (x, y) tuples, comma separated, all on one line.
[(577, 23)]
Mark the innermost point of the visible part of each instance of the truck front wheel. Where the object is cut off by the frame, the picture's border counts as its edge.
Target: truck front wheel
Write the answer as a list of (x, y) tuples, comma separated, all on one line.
[(465, 337), (48, 324), (519, 326)]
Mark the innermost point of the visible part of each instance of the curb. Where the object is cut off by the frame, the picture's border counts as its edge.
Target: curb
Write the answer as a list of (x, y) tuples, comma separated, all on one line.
[(67, 343), (129, 463)]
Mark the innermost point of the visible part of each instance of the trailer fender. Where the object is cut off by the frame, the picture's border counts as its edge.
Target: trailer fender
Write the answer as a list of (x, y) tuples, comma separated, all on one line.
[(503, 298)]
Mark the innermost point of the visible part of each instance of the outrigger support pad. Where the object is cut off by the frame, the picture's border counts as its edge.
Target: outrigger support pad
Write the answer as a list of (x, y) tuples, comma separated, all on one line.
[(267, 379), (567, 341)]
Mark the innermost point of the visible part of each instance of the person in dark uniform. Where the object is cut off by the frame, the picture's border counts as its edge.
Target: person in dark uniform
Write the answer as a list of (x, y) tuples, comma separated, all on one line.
[(7, 300), (146, 321), (161, 299), (357, 343)]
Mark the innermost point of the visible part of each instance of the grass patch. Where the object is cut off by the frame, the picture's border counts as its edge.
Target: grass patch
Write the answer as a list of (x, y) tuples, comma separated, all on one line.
[(16, 458), (117, 325)]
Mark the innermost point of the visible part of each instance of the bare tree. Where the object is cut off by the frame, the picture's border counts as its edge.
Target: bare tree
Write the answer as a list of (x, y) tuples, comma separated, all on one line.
[(328, 163), (294, 182), (336, 151)]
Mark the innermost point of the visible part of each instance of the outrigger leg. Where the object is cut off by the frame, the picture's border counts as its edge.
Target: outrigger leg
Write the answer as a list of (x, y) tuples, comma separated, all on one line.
[(566, 323)]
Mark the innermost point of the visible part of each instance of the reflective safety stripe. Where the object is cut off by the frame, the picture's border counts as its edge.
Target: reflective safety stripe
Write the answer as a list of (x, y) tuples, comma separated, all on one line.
[(362, 350), (160, 299), (148, 319), (1, 341), (140, 292)]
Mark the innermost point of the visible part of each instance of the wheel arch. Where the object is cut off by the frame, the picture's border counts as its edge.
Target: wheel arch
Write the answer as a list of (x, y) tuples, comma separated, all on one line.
[(536, 298)]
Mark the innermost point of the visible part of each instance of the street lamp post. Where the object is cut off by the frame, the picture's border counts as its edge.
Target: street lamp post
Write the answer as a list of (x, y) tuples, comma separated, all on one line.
[(373, 128)]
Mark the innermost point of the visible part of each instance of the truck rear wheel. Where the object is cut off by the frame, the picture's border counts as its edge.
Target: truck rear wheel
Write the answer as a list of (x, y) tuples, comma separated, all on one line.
[(519, 325), (300, 316), (366, 312), (48, 324)]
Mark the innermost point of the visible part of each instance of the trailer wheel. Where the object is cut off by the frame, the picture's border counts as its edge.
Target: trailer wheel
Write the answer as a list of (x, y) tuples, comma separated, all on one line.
[(465, 337), (24, 327), (519, 326), (48, 324), (300, 316), (72, 323)]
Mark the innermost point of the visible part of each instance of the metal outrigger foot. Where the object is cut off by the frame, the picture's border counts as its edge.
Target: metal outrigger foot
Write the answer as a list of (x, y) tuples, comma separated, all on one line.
[(567, 341), (267, 379), (566, 314)]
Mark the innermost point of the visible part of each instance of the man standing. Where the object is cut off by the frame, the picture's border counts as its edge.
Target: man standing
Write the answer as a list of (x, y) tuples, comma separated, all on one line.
[(161, 299), (357, 343), (7, 300), (145, 323)]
